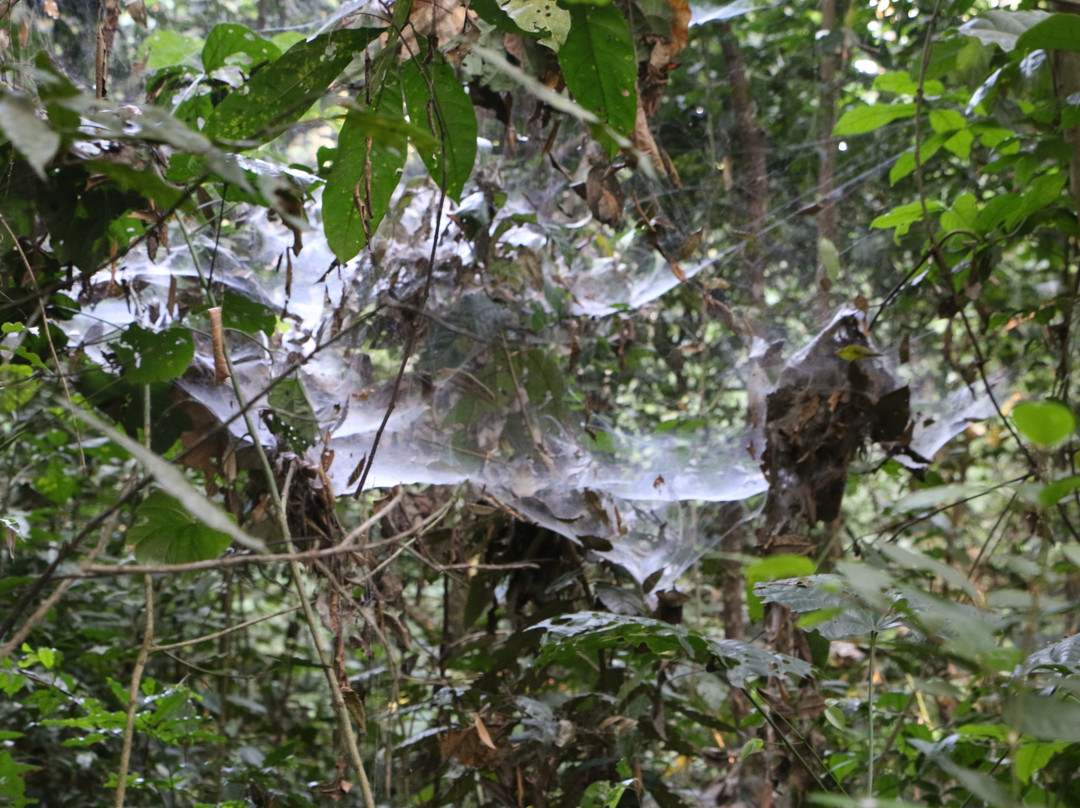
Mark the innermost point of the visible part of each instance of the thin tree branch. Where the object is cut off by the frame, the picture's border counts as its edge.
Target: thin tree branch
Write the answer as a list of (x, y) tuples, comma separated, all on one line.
[(225, 631), (133, 694)]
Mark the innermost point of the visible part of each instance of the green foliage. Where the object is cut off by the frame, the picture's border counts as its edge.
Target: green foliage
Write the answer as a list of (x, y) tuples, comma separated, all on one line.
[(292, 416), (367, 166), (435, 99), (34, 138), (283, 91), (771, 569), (227, 40), (1044, 423), (166, 533), (147, 357), (598, 62)]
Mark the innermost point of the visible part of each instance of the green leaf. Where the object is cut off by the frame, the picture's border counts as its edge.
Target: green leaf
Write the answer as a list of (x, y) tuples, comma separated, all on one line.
[(492, 12), (174, 482), (148, 356), (946, 120), (16, 386), (164, 48), (1057, 32), (28, 133), (57, 482), (995, 211), (292, 416), (445, 109), (282, 92), (229, 39), (904, 216), (542, 18), (1042, 191), (860, 120), (166, 533), (1033, 757), (12, 785), (753, 746), (902, 83), (1002, 28), (829, 257), (240, 312), (924, 499), (1044, 423), (963, 215), (921, 561), (46, 656), (1054, 492), (146, 183), (905, 163), (832, 609), (599, 66), (960, 143), (1048, 718), (367, 168), (771, 569), (567, 637), (843, 801)]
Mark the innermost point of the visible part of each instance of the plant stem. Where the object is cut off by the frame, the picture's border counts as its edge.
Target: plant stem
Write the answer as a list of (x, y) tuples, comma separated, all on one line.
[(133, 695), (870, 713), (344, 719)]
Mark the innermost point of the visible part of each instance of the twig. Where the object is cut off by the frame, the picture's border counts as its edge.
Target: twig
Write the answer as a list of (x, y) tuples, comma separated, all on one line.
[(981, 363), (223, 632), (344, 719), (133, 695), (414, 332), (6, 6), (96, 570), (898, 528)]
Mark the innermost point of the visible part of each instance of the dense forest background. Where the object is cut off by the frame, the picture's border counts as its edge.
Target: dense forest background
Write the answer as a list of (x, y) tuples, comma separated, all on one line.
[(539, 403)]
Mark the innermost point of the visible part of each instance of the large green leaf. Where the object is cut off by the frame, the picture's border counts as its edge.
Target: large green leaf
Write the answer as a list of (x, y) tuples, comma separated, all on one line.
[(149, 356), (445, 109), (229, 39), (835, 610), (860, 120), (1057, 32), (1053, 492), (32, 136), (493, 12), (166, 533), (292, 416), (1048, 718), (1042, 191), (904, 216), (771, 569), (567, 637), (599, 66), (284, 90), (1044, 423), (538, 18), (173, 481), (1002, 28), (367, 167)]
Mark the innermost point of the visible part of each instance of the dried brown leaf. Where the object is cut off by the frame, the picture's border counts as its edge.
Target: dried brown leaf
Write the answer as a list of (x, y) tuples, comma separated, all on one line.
[(481, 730), (217, 340)]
